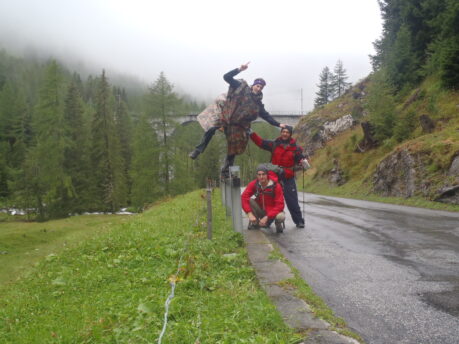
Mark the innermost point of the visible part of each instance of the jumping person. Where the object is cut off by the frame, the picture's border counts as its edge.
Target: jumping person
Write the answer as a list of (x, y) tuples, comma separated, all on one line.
[(268, 204), (286, 154), (242, 106)]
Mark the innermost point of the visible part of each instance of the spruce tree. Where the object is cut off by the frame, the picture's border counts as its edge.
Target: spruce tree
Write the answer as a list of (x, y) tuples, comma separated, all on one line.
[(449, 46), (339, 82), (76, 155), (380, 105), (107, 162), (123, 130), (161, 104), (325, 93), (144, 172), (45, 176)]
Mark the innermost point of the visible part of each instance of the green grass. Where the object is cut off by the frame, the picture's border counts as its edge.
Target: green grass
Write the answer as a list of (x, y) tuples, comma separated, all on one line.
[(22, 244), (357, 190), (112, 287)]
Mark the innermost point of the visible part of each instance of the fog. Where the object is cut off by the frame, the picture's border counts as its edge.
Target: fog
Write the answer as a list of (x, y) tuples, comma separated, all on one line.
[(195, 42)]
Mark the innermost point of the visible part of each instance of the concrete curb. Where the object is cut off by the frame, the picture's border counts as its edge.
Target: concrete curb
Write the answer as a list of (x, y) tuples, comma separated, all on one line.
[(295, 312)]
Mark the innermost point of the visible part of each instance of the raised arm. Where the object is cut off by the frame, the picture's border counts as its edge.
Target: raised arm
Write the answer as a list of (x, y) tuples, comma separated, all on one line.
[(260, 142), (266, 116), (229, 77)]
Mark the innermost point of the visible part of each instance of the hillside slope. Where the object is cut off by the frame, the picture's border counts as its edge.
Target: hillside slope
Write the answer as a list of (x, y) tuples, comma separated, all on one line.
[(348, 160)]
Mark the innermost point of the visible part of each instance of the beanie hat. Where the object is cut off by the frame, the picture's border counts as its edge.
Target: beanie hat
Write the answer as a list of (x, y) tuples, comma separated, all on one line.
[(289, 128), (259, 81), (262, 168)]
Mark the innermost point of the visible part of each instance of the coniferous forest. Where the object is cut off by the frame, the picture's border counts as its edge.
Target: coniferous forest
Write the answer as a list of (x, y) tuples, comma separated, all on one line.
[(69, 145), (72, 144)]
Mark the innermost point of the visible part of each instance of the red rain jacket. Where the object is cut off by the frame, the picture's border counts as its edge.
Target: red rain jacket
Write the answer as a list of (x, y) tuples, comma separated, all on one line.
[(283, 155), (271, 198)]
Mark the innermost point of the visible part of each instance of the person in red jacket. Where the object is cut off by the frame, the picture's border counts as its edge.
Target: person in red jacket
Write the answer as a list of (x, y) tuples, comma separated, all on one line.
[(286, 154), (268, 204)]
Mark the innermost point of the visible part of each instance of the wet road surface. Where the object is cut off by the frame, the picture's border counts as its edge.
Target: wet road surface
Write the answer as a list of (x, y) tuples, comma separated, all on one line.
[(391, 272)]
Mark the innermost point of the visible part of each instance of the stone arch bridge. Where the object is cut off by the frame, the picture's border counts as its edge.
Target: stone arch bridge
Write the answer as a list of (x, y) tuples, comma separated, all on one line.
[(287, 118)]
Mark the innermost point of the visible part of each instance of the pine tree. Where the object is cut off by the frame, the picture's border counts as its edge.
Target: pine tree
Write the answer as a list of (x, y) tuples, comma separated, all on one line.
[(402, 64), (339, 82), (449, 46), (44, 173), (123, 130), (107, 162), (144, 171), (76, 155), (15, 134), (380, 105), (12, 115), (325, 93), (419, 37), (161, 104)]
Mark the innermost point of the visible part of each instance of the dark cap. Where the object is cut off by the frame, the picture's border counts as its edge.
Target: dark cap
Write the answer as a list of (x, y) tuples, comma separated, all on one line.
[(289, 128)]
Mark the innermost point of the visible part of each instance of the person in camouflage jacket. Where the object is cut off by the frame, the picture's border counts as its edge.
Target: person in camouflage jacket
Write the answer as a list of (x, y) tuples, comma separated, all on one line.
[(242, 106)]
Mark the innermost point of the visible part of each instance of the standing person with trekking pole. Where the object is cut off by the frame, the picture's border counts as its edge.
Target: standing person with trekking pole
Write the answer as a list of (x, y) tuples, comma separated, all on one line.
[(286, 154)]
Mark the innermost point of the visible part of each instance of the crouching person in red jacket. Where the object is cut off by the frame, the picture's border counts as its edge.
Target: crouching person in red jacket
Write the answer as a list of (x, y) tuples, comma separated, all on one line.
[(268, 205)]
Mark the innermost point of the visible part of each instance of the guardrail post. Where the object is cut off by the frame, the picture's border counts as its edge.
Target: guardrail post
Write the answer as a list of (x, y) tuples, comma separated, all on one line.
[(223, 191), (209, 209), (235, 189), (228, 195)]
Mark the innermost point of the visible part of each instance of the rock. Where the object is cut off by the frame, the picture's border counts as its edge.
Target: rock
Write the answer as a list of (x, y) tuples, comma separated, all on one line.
[(316, 133), (336, 174), (404, 174), (426, 123), (454, 168), (368, 140), (396, 175), (448, 195)]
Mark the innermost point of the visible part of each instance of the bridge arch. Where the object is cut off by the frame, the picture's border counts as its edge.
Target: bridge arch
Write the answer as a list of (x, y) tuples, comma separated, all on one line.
[(287, 118)]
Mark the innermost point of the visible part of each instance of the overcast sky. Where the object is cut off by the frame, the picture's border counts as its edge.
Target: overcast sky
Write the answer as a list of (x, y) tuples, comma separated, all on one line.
[(195, 42)]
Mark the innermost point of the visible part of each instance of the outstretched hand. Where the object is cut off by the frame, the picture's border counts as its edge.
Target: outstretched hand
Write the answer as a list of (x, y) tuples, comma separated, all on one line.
[(244, 66)]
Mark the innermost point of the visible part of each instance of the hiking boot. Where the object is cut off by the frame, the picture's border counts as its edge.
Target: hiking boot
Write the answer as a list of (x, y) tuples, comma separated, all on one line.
[(279, 227), (225, 173), (252, 225), (194, 154)]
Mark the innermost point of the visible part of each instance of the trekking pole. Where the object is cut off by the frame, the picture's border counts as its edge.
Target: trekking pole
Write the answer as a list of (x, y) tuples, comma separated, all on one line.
[(303, 200)]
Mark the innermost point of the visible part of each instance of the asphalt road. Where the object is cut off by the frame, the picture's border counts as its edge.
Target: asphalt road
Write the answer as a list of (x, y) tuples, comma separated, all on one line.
[(391, 272)]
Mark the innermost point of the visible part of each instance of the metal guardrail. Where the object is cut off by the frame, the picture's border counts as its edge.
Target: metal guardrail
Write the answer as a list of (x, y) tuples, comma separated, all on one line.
[(231, 197)]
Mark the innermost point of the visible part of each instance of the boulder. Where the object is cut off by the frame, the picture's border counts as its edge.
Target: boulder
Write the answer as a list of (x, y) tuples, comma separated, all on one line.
[(448, 195), (426, 123), (404, 174), (454, 168), (396, 175), (315, 133)]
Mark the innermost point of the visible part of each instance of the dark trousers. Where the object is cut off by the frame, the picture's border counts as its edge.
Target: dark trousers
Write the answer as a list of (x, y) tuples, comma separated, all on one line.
[(291, 199), (206, 139), (229, 161)]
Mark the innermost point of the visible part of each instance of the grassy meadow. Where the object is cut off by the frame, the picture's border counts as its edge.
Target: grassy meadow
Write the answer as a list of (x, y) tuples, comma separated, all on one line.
[(106, 280)]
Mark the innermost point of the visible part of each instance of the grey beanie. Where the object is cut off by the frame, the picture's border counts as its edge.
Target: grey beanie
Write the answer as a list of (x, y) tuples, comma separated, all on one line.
[(263, 168)]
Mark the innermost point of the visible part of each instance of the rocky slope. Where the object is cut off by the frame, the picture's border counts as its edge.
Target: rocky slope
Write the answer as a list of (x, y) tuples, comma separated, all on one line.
[(339, 137)]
